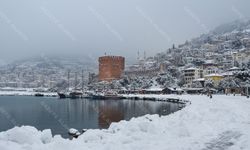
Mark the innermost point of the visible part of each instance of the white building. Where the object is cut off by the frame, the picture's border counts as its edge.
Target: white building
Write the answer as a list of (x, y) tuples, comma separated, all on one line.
[(191, 74)]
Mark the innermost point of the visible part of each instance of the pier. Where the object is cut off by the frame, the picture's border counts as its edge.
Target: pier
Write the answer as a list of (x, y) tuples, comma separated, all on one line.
[(156, 98)]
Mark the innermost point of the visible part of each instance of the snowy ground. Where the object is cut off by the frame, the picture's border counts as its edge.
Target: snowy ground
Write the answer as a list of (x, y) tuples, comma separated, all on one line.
[(220, 123)]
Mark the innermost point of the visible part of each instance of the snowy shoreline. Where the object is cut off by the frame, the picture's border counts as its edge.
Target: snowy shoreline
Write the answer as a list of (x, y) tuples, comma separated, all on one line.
[(26, 93), (222, 122)]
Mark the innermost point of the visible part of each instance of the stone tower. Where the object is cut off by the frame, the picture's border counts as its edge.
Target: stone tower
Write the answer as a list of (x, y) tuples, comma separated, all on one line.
[(111, 68)]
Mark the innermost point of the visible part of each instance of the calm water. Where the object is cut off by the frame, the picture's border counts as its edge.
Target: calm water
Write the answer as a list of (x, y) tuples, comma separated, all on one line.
[(61, 114)]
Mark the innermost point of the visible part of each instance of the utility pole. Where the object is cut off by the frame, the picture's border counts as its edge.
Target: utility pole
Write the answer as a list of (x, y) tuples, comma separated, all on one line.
[(247, 92)]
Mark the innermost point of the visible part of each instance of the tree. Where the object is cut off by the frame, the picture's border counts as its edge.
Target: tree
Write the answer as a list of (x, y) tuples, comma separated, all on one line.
[(209, 84), (248, 65), (196, 85), (229, 82), (243, 75), (181, 81), (166, 80), (236, 44)]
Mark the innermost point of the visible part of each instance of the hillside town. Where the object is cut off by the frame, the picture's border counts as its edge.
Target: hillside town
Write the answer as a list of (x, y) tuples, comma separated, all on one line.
[(217, 62)]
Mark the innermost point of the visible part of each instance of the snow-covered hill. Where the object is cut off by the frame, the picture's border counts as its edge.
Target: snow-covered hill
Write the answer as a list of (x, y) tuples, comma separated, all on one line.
[(45, 71), (234, 26)]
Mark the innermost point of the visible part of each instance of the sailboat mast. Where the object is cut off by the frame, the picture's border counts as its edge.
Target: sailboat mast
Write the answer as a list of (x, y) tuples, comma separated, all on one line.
[(82, 80), (68, 80), (75, 80)]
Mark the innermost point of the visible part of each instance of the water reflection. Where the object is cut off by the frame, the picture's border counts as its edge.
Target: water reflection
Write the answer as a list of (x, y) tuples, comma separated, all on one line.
[(59, 115), (107, 115)]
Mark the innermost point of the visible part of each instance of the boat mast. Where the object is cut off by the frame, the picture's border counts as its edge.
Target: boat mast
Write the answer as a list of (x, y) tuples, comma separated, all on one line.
[(82, 79), (75, 80), (68, 80)]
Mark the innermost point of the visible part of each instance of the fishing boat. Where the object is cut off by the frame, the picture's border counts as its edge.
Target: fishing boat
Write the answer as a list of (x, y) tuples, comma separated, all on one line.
[(39, 95), (73, 93), (63, 95), (97, 96), (110, 95), (76, 94)]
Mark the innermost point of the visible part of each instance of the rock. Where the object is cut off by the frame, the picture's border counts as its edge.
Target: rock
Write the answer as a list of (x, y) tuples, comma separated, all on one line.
[(84, 130), (73, 132)]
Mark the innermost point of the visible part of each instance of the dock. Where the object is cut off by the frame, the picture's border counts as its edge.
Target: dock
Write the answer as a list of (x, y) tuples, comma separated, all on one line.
[(156, 98)]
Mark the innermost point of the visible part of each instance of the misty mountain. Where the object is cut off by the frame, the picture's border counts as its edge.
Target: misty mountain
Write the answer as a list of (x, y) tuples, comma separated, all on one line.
[(45, 71), (238, 25), (228, 36), (59, 62)]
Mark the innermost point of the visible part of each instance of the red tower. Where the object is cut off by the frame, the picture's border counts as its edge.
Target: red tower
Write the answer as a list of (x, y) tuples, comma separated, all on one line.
[(111, 67)]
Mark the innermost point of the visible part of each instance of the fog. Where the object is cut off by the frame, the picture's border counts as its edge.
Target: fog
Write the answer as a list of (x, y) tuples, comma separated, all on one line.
[(114, 27)]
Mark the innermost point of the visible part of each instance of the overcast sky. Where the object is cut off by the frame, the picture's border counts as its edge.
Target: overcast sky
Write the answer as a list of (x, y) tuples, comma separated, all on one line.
[(117, 27)]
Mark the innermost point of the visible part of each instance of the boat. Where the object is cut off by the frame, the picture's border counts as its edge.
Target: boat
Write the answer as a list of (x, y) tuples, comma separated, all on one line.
[(72, 95), (97, 96), (76, 94), (110, 95), (39, 95), (62, 95)]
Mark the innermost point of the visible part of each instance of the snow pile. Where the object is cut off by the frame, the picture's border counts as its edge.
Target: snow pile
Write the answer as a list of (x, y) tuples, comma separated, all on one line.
[(222, 122), (24, 137)]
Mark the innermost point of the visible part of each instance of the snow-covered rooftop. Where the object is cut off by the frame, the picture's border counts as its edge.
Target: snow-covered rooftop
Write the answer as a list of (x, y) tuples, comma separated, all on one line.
[(229, 73), (154, 89), (214, 75), (209, 62), (191, 68), (234, 68), (200, 79)]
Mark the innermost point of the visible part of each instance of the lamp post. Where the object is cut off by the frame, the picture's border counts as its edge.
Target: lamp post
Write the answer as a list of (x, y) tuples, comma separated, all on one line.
[(247, 86), (247, 92)]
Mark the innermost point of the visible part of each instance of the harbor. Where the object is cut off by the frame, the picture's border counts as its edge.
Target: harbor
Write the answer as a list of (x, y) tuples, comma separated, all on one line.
[(60, 115)]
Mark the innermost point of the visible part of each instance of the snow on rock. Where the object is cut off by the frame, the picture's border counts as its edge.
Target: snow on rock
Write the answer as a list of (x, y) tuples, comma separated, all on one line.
[(222, 122), (84, 130), (74, 132)]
